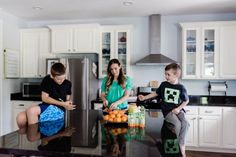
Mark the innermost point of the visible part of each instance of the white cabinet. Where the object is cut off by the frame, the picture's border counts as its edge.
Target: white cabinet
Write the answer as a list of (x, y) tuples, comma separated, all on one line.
[(192, 117), (210, 125), (229, 127), (35, 48), (227, 49), (19, 106), (116, 42), (200, 50), (81, 38), (208, 50), (205, 126)]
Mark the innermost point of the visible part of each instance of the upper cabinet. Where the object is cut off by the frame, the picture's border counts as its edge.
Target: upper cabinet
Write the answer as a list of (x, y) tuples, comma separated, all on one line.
[(207, 50), (81, 38), (34, 49), (116, 42), (227, 50)]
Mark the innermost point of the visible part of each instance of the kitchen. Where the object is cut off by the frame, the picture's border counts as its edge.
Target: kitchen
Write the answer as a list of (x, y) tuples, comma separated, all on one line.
[(170, 46)]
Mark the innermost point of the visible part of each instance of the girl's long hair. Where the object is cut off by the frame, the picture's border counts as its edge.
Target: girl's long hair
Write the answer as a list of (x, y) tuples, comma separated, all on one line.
[(110, 76)]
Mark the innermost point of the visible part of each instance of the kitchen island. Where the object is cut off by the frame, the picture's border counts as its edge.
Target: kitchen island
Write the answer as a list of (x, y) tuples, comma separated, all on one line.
[(83, 133)]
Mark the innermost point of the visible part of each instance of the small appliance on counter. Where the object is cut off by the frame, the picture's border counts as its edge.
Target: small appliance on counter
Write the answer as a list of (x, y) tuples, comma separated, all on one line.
[(31, 89), (153, 103)]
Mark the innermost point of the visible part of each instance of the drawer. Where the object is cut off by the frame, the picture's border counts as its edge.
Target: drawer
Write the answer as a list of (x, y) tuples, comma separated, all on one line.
[(191, 110), (24, 104), (210, 110)]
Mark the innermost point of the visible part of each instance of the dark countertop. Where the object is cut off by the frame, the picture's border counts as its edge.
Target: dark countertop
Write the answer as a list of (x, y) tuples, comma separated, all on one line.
[(84, 134), (196, 100), (18, 96), (223, 101)]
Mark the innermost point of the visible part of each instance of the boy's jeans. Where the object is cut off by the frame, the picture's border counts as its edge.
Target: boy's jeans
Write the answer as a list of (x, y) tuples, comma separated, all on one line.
[(181, 125)]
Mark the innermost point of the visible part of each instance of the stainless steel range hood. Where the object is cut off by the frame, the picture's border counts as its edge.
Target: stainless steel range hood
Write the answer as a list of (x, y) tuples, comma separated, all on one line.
[(155, 57)]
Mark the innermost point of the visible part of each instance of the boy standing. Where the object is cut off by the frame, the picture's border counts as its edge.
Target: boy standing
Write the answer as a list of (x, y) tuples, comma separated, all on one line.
[(174, 98), (56, 91)]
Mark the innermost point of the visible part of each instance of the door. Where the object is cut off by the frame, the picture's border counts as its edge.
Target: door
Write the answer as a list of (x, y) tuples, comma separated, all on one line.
[(209, 53), (78, 75), (229, 127), (209, 131), (227, 52), (62, 40), (192, 135), (29, 53), (191, 53)]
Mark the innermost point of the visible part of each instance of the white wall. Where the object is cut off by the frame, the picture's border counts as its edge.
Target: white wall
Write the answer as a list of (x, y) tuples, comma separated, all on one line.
[(10, 38), (170, 46)]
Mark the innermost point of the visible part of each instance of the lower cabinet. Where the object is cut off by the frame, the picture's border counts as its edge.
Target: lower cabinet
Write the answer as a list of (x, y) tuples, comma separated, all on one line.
[(192, 117), (229, 127), (192, 137), (19, 106), (205, 126), (210, 125)]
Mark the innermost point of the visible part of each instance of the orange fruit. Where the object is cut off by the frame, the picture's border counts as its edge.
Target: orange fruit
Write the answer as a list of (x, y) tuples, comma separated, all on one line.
[(118, 120), (124, 130), (112, 116), (110, 119), (115, 112), (118, 115), (106, 117), (121, 112), (124, 119)]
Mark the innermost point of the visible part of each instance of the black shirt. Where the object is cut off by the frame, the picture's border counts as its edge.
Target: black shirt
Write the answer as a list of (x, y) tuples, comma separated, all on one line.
[(56, 91), (172, 95)]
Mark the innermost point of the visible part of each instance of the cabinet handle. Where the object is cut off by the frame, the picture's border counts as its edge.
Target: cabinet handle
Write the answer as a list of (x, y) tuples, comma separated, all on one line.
[(208, 111), (74, 50), (193, 118), (69, 50), (21, 105), (200, 117), (187, 110)]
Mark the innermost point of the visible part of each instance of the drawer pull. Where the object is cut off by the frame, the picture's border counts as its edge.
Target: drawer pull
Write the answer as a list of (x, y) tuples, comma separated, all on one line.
[(193, 118), (21, 105), (187, 110), (208, 111), (200, 117)]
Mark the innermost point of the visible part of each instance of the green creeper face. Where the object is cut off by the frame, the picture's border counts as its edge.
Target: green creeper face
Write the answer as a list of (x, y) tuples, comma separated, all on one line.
[(171, 146), (171, 95)]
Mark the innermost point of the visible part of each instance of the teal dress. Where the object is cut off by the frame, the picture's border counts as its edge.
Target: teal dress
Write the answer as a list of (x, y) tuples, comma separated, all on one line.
[(116, 92)]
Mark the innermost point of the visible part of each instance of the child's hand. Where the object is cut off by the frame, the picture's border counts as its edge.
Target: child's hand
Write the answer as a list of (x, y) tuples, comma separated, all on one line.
[(176, 111), (141, 97), (68, 105)]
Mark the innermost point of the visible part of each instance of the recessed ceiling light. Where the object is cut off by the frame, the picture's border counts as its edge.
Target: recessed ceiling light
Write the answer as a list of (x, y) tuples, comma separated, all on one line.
[(128, 3), (37, 8)]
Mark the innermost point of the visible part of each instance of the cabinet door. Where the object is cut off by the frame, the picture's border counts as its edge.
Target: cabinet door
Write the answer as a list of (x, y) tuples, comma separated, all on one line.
[(192, 135), (62, 40), (85, 40), (44, 51), (209, 131), (19, 106), (29, 54), (107, 51), (116, 43), (191, 53), (227, 52), (229, 127), (122, 48), (209, 53)]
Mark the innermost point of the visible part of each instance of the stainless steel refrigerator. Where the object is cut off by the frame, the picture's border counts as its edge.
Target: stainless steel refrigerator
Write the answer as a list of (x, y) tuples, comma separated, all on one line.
[(83, 74)]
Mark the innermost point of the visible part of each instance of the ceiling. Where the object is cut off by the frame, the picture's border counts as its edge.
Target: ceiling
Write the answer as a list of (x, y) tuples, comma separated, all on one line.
[(88, 9)]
